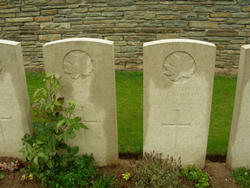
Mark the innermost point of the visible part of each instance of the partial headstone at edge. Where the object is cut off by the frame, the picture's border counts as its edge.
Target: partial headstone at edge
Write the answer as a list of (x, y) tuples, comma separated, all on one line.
[(239, 144), (15, 116), (178, 83), (86, 68)]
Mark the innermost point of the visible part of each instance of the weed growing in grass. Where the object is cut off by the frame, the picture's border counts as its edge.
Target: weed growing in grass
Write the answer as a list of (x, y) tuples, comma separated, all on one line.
[(242, 176), (195, 175), (1, 175), (153, 171), (50, 158)]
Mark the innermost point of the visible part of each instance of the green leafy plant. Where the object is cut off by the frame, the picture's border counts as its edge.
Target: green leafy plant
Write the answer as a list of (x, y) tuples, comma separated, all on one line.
[(153, 171), (103, 181), (76, 173), (242, 176), (1, 175), (196, 175), (50, 158)]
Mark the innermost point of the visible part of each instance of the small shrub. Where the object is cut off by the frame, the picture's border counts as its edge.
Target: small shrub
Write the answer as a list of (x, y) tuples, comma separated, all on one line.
[(50, 158), (103, 181), (152, 171), (242, 176), (76, 173), (195, 175)]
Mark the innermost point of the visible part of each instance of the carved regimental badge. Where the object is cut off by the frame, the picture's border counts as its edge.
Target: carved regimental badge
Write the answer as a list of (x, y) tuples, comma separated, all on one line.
[(77, 64), (179, 66)]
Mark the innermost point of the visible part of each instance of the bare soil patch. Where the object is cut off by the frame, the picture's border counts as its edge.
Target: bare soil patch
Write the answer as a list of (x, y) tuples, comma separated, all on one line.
[(221, 177)]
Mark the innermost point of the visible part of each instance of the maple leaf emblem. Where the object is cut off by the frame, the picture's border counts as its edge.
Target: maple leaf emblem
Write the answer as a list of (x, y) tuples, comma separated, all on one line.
[(179, 66)]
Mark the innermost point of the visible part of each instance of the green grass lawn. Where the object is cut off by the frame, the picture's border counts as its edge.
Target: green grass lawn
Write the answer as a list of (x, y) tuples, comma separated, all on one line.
[(129, 110), (221, 114)]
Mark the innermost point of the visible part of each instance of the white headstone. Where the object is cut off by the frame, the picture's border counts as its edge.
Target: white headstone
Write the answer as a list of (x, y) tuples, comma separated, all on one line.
[(178, 83), (239, 145), (15, 116), (86, 68)]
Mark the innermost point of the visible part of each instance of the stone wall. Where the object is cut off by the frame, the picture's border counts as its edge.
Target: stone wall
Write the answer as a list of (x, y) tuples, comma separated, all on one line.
[(129, 23)]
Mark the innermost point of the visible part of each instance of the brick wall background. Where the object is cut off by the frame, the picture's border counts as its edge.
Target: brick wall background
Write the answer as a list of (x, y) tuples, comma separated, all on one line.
[(129, 23)]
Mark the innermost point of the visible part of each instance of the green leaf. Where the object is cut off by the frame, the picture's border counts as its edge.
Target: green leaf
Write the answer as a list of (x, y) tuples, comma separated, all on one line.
[(60, 123), (60, 100), (1, 176), (37, 92), (77, 119), (50, 164), (42, 155), (47, 75), (39, 142), (57, 103), (83, 126), (74, 150), (52, 141), (35, 161), (68, 122), (65, 138), (52, 107)]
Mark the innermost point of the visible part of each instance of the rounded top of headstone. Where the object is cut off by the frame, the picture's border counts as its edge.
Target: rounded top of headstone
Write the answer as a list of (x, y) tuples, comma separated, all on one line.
[(9, 42), (246, 46), (178, 41), (80, 40)]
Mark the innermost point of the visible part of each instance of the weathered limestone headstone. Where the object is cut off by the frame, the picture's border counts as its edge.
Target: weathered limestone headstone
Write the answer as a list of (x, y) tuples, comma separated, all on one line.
[(86, 68), (178, 83), (15, 116), (239, 145)]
